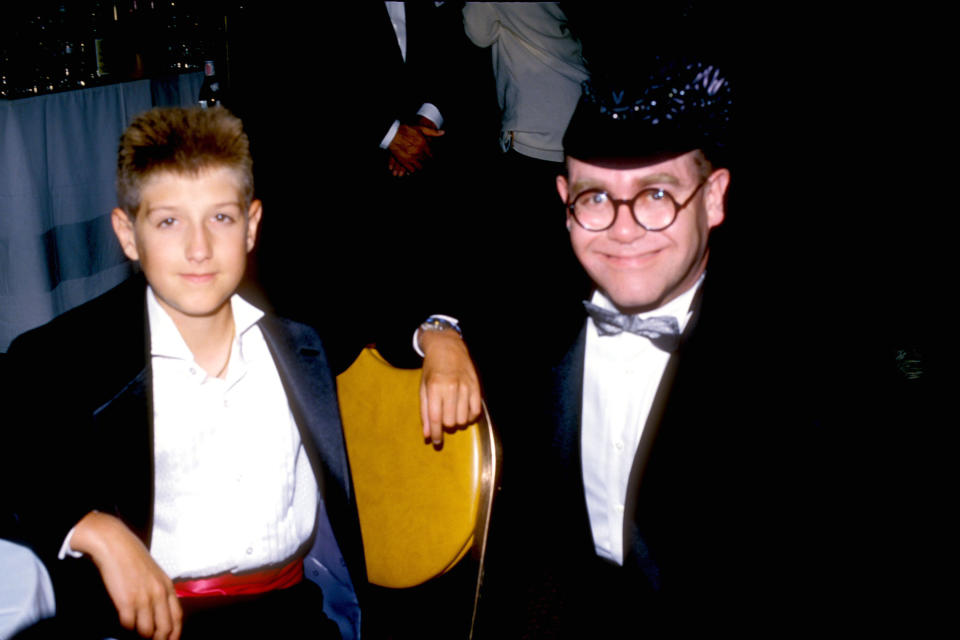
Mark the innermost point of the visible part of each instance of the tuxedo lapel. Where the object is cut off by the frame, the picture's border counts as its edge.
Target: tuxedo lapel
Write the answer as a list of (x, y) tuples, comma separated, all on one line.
[(335, 560), (658, 414), (306, 377), (123, 423), (636, 551), (122, 426), (661, 471), (570, 504), (568, 404)]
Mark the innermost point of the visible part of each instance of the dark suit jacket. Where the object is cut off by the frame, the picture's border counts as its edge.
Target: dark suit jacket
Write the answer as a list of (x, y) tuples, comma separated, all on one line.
[(703, 528), (84, 381), (393, 88)]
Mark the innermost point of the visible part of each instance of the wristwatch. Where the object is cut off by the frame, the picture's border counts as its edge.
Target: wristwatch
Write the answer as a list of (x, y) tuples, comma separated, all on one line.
[(437, 322)]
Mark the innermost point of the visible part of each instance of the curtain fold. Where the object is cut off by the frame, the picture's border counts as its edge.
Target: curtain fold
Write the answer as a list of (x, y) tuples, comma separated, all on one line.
[(58, 157)]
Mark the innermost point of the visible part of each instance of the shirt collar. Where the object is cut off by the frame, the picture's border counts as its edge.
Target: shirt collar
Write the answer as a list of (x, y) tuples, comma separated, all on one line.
[(165, 338)]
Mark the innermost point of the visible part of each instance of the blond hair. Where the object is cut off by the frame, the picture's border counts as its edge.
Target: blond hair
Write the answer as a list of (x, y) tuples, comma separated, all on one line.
[(185, 141)]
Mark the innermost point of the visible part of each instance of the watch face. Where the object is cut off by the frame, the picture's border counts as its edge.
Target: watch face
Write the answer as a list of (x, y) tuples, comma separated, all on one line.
[(438, 324)]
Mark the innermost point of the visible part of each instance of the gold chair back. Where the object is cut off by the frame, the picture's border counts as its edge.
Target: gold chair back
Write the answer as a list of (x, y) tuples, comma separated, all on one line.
[(422, 508)]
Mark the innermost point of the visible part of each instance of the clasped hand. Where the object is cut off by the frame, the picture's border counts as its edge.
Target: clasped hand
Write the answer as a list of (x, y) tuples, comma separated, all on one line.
[(410, 147)]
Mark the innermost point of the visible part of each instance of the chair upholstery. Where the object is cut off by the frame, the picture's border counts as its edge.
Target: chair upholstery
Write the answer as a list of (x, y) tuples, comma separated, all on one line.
[(422, 508)]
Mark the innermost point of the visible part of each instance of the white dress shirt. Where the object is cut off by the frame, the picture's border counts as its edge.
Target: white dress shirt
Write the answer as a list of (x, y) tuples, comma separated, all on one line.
[(234, 489), (621, 375)]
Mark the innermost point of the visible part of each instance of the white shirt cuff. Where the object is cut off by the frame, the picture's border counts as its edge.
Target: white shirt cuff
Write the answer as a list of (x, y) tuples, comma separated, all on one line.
[(428, 110), (66, 549), (391, 134)]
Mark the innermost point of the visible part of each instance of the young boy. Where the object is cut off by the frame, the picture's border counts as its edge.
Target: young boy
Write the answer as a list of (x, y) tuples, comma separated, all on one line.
[(190, 444)]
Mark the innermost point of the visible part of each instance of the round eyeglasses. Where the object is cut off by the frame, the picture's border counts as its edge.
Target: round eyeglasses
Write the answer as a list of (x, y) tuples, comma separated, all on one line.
[(653, 209)]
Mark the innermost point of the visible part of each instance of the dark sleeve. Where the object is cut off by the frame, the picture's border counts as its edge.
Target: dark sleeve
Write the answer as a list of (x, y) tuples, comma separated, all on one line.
[(44, 478), (80, 431)]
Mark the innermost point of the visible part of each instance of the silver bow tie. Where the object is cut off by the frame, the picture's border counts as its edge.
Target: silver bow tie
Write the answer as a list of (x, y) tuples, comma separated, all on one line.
[(663, 331)]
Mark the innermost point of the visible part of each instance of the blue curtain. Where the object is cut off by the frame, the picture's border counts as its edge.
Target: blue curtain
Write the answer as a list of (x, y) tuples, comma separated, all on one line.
[(58, 157)]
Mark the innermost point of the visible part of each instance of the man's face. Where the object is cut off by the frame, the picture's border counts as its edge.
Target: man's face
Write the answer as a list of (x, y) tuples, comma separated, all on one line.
[(638, 269), (191, 236)]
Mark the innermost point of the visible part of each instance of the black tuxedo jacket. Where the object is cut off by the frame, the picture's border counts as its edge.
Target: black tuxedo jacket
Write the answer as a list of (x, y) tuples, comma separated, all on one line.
[(681, 491), (86, 438), (703, 523)]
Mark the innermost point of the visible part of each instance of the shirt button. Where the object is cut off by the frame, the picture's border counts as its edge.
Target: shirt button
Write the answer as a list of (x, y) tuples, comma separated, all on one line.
[(250, 549), (618, 508), (193, 371), (618, 445)]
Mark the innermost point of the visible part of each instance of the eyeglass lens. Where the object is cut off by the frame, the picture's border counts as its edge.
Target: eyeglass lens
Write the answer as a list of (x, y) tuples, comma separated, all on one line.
[(652, 208)]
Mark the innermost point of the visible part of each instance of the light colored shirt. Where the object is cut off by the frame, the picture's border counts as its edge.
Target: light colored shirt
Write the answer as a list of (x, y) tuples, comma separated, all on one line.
[(234, 489), (621, 374), (538, 67)]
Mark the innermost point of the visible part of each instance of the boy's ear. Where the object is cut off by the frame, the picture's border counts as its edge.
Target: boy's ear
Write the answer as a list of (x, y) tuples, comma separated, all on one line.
[(123, 227), (253, 222)]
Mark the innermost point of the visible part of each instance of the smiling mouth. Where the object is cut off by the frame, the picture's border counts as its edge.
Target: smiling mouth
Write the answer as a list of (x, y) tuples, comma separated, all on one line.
[(632, 260)]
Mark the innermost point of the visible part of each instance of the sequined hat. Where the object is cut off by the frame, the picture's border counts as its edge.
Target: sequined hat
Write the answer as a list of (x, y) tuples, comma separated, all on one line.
[(678, 107)]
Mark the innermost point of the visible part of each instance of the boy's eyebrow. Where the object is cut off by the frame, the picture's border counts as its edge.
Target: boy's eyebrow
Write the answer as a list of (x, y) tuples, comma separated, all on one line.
[(226, 203), (160, 207), (229, 203)]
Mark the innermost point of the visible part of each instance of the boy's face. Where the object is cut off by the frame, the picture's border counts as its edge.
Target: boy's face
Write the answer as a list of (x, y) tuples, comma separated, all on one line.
[(638, 269), (191, 236)]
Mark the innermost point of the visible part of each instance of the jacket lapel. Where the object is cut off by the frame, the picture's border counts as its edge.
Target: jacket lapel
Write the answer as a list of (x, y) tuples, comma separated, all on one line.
[(123, 423), (128, 480), (568, 404), (310, 389), (636, 551), (335, 560), (568, 409)]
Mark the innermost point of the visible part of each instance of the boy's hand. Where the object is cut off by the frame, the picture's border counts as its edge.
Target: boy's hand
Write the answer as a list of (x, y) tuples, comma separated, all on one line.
[(449, 388), (142, 593)]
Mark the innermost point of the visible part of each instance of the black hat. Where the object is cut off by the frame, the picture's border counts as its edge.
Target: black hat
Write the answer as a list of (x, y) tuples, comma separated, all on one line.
[(679, 107)]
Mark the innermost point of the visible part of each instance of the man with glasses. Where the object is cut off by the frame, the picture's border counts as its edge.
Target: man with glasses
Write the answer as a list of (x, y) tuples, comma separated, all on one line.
[(653, 472)]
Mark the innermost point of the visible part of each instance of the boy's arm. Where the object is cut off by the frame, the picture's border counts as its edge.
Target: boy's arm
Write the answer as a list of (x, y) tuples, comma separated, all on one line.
[(449, 388), (141, 592)]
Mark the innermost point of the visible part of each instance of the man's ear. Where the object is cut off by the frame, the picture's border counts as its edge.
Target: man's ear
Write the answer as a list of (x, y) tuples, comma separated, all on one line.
[(715, 198), (562, 187), (123, 228), (253, 223), (563, 190)]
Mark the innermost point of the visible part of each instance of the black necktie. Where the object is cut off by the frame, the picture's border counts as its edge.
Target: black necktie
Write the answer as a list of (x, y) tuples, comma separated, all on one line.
[(663, 331)]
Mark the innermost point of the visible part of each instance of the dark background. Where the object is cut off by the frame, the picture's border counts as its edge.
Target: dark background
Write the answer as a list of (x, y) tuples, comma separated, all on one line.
[(839, 224)]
